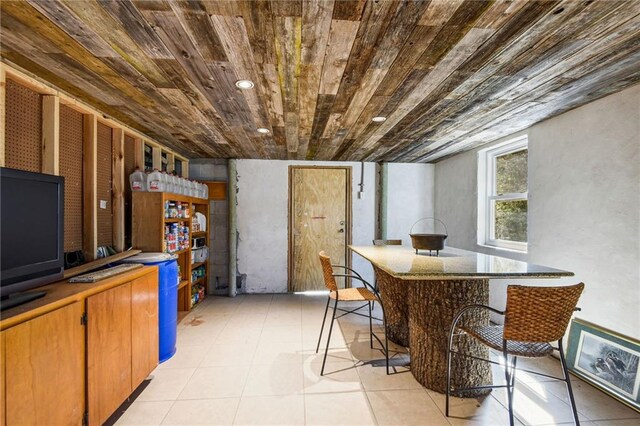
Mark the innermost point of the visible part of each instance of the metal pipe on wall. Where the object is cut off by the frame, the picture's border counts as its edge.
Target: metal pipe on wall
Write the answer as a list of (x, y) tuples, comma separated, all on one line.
[(384, 188), (233, 227)]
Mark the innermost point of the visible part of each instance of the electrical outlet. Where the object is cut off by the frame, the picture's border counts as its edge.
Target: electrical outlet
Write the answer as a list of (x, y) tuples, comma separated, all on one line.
[(103, 204)]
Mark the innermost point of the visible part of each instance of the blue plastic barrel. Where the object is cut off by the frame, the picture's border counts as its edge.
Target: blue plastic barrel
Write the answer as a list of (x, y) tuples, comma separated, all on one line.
[(167, 298)]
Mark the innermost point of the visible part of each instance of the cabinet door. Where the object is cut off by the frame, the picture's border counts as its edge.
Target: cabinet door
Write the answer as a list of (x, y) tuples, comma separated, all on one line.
[(3, 401), (108, 351), (45, 369), (144, 327)]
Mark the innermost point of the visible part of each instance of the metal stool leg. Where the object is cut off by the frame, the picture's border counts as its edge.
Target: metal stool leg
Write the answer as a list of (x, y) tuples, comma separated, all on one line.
[(567, 380), (324, 318), (370, 326), (507, 376), (333, 318), (448, 391)]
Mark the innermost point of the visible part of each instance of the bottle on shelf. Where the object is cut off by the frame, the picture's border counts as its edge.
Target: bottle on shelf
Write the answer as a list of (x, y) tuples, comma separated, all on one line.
[(155, 182), (176, 183), (138, 180), (168, 182)]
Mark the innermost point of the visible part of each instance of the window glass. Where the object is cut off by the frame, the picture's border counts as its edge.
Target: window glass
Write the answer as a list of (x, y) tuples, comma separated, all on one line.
[(511, 173), (503, 195), (148, 158), (511, 220)]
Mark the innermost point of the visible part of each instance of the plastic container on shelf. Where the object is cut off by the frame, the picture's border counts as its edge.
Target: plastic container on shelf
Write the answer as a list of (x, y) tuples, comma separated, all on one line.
[(168, 182), (167, 298), (138, 180), (192, 187), (176, 183), (155, 183), (205, 188)]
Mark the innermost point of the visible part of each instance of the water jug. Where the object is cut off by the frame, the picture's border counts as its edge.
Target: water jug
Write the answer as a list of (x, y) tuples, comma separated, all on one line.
[(138, 180), (155, 183), (168, 182)]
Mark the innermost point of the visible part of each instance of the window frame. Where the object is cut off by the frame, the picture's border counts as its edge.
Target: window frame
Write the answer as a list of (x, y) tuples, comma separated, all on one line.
[(487, 194)]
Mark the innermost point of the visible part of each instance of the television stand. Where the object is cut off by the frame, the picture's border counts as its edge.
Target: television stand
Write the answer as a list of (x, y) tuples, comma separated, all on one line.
[(20, 298)]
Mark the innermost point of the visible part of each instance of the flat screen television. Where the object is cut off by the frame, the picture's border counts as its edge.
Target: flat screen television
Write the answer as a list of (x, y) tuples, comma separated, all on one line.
[(31, 233)]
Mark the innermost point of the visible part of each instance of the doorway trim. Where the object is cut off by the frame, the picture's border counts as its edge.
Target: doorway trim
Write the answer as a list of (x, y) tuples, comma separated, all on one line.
[(348, 227)]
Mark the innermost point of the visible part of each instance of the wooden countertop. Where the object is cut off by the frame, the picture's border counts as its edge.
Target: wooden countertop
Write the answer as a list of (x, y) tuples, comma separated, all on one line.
[(63, 293), (402, 262)]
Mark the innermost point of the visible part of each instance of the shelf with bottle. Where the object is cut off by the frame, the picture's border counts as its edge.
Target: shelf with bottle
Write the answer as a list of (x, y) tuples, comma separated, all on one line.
[(157, 181), (198, 273), (176, 210), (198, 294), (176, 237)]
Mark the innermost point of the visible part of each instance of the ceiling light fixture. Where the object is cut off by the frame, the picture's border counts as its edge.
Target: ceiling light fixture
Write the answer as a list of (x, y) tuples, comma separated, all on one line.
[(378, 119), (263, 130), (244, 84)]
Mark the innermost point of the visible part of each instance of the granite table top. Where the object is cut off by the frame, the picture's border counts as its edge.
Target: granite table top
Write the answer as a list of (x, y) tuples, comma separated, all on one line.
[(452, 264)]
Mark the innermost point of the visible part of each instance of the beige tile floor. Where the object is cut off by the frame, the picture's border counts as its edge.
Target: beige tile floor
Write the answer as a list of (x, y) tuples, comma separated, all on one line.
[(251, 360)]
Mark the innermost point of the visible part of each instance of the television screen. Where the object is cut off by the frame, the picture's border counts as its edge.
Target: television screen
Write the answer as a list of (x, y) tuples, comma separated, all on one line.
[(31, 233)]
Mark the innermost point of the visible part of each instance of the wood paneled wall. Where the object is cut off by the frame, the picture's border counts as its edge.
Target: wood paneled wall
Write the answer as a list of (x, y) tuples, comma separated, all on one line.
[(71, 168), (44, 130)]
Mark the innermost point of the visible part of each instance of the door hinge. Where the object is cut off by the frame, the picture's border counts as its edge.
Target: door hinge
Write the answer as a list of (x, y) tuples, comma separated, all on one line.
[(84, 319), (85, 418)]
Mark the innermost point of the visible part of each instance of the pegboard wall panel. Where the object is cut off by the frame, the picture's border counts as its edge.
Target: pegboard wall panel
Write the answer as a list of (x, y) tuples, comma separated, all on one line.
[(103, 187), (71, 169), (23, 128), (129, 167)]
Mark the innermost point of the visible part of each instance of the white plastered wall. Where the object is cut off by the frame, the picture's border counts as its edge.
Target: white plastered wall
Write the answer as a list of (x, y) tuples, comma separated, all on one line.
[(263, 203), (410, 197), (584, 206)]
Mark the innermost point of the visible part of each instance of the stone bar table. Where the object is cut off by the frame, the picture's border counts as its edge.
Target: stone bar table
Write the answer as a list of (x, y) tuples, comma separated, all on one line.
[(422, 294)]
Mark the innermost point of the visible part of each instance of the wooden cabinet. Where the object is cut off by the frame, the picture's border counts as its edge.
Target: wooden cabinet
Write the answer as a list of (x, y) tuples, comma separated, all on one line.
[(144, 328), (149, 227), (122, 343), (3, 401), (108, 351), (44, 369), (112, 324)]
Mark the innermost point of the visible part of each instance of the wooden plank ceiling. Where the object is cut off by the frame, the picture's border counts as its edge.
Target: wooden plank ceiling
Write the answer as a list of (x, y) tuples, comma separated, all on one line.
[(448, 74)]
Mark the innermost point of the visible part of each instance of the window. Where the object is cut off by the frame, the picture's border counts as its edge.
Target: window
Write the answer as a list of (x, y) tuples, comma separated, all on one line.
[(148, 158), (177, 167), (164, 161), (502, 195)]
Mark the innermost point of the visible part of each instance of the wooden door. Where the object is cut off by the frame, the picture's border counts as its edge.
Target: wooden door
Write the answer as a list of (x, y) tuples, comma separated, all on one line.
[(45, 369), (144, 327), (108, 351), (319, 219)]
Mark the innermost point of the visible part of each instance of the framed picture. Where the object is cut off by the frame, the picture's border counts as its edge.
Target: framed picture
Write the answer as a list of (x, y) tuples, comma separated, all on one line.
[(605, 359)]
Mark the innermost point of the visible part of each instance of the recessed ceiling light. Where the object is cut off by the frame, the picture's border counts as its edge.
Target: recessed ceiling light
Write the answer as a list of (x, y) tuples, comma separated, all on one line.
[(378, 119), (263, 130), (244, 84)]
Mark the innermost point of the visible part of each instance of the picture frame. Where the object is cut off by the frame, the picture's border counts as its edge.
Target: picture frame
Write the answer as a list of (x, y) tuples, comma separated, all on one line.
[(606, 360)]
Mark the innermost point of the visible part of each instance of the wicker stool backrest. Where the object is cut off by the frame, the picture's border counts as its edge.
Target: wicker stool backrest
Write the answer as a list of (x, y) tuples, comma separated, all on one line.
[(539, 314), (327, 271), (387, 242)]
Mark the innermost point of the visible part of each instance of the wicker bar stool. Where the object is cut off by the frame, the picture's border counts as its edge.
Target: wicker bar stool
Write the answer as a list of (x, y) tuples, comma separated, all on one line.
[(534, 316), (367, 294)]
